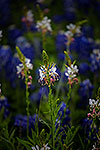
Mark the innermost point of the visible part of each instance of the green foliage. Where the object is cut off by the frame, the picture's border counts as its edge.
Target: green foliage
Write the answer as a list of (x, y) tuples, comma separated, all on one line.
[(36, 139), (8, 139), (21, 56), (70, 135), (26, 144)]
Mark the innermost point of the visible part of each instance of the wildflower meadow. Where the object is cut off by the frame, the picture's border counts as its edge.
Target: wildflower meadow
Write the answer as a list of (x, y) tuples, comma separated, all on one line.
[(50, 75)]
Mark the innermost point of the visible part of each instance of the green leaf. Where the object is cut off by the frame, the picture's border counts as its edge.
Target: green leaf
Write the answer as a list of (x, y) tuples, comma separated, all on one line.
[(31, 140), (20, 54), (43, 122), (81, 142), (74, 62), (12, 134), (45, 58), (81, 22), (4, 139), (67, 58), (70, 135)]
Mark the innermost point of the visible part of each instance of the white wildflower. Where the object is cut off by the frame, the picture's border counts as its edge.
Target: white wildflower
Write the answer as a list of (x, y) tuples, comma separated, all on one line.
[(28, 64), (44, 24), (51, 70), (93, 103), (94, 147), (71, 71), (72, 29), (20, 67)]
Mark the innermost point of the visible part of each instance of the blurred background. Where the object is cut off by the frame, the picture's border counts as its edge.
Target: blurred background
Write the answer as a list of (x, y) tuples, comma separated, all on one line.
[(16, 31)]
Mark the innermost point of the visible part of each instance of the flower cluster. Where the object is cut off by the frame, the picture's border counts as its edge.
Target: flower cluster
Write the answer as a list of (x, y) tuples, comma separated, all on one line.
[(72, 29), (44, 25), (48, 74), (94, 108), (28, 19), (21, 70), (45, 147), (71, 72)]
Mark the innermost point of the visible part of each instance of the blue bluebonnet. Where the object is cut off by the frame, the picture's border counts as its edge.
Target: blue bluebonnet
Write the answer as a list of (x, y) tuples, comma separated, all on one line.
[(83, 47), (13, 34), (21, 121), (61, 56), (63, 121), (11, 70), (60, 42), (84, 68), (4, 104), (8, 63), (88, 31), (63, 116), (36, 96), (26, 48), (86, 129), (85, 92), (5, 56)]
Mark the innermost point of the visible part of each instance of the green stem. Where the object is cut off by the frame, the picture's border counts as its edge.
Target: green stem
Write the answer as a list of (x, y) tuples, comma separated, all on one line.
[(51, 109), (68, 95), (27, 101)]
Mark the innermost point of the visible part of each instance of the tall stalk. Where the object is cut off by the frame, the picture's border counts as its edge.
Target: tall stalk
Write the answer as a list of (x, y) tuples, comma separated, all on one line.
[(25, 75), (69, 94), (51, 110), (27, 101)]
